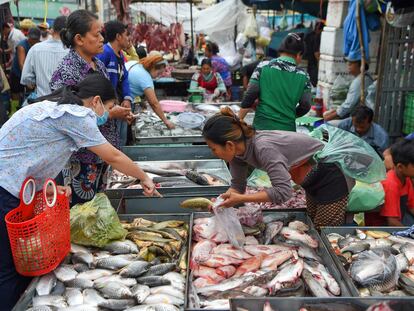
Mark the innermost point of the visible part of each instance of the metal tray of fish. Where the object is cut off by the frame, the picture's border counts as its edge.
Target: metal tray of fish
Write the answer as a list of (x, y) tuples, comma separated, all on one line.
[(149, 129), (215, 170), (286, 217), (26, 298), (171, 153), (321, 304), (343, 231)]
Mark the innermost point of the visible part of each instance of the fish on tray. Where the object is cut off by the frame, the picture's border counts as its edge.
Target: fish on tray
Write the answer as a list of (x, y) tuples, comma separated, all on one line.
[(147, 271), (282, 259), (379, 263)]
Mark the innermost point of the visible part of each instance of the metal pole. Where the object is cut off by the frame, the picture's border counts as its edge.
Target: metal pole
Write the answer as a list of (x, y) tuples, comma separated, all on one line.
[(192, 28), (361, 44)]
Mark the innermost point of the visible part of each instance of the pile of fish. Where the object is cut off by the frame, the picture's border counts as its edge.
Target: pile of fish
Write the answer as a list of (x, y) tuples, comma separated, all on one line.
[(378, 262), (166, 178), (298, 200), (145, 272), (148, 124), (210, 109), (343, 306), (279, 258)]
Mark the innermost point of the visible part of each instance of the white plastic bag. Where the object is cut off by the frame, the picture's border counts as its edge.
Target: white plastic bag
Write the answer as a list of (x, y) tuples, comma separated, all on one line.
[(228, 221), (251, 27)]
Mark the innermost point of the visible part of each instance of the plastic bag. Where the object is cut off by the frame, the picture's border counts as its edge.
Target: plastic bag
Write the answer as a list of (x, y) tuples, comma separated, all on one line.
[(356, 158), (338, 92), (228, 221), (365, 197), (374, 268), (259, 179), (251, 27), (95, 223)]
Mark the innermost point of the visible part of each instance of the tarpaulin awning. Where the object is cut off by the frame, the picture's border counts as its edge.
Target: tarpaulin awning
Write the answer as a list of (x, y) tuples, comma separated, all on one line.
[(312, 7)]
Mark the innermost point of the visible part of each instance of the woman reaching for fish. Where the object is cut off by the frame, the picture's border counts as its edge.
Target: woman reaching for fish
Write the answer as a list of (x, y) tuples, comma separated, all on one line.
[(284, 156), (41, 138)]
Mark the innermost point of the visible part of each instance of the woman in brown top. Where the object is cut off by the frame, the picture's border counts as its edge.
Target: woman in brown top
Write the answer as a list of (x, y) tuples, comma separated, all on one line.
[(285, 156)]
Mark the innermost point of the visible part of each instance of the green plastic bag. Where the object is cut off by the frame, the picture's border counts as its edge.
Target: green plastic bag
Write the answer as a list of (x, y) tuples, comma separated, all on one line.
[(356, 158), (365, 197), (259, 179), (95, 223)]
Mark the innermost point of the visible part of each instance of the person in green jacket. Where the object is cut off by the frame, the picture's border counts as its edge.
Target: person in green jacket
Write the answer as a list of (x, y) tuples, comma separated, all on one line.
[(283, 89)]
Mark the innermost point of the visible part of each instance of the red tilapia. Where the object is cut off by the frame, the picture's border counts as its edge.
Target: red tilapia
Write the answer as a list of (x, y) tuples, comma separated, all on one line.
[(296, 235), (226, 271), (250, 265), (207, 273), (216, 261), (230, 250)]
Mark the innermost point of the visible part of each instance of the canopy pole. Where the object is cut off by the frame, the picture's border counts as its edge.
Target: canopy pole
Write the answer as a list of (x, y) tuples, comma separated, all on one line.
[(191, 22), (361, 44)]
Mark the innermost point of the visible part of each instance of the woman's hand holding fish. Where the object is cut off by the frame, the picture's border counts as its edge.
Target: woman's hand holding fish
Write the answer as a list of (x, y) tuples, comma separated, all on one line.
[(231, 198), (149, 187)]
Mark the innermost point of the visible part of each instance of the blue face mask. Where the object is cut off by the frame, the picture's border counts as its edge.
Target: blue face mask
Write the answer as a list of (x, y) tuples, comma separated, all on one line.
[(101, 120)]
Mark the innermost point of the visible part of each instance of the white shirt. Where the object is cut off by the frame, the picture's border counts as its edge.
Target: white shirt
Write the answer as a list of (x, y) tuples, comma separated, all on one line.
[(40, 64), (13, 40)]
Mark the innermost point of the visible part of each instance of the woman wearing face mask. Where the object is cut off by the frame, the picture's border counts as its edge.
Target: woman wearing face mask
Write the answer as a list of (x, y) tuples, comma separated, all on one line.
[(41, 138), (208, 79), (84, 39), (284, 156), (140, 77)]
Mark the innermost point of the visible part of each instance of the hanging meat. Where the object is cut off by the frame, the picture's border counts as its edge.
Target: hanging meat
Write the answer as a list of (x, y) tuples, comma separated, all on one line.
[(159, 37), (122, 10)]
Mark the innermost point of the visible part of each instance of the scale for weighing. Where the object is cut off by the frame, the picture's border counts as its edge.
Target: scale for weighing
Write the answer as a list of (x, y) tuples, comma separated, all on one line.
[(196, 95)]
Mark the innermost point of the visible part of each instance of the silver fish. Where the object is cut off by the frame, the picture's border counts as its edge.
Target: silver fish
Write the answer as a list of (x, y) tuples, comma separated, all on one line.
[(402, 262), (288, 274), (400, 239), (346, 241), (59, 289), (80, 267), (92, 297), (42, 308), (356, 247), (256, 291), (135, 269), (314, 286), (79, 308), (375, 271), (46, 284), (334, 237), (299, 236), (73, 296), (79, 283), (117, 304), (112, 263), (82, 257), (116, 278), (153, 281), (298, 225), (75, 248), (65, 273), (406, 283), (49, 300), (176, 280), (408, 250), (272, 230), (308, 253), (141, 308), (94, 274), (164, 307), (102, 254), (140, 292), (163, 298), (122, 247), (169, 290), (332, 285), (225, 285), (114, 290), (160, 269)]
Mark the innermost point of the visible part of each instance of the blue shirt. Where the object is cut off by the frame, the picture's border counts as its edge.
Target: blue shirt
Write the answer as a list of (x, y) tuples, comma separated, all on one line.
[(139, 78), (353, 96), (376, 136), (117, 72), (16, 67), (39, 139)]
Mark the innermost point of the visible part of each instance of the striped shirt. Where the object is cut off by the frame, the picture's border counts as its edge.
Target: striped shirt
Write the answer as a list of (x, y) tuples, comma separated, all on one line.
[(41, 62)]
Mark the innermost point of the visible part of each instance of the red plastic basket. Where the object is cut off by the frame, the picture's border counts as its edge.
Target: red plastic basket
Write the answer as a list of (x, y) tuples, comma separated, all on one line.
[(39, 230)]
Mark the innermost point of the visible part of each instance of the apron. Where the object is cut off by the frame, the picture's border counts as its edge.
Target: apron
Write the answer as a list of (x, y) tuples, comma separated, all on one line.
[(209, 86)]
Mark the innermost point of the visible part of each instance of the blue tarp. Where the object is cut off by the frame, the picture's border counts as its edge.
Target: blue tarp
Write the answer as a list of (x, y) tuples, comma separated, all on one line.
[(371, 22)]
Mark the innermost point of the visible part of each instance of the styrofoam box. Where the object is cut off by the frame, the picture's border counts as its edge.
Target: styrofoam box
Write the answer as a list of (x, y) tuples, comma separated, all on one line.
[(332, 42), (330, 67), (336, 13)]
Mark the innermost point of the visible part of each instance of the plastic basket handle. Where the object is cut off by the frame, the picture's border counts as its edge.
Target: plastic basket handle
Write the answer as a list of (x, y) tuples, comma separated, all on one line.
[(50, 182), (26, 183)]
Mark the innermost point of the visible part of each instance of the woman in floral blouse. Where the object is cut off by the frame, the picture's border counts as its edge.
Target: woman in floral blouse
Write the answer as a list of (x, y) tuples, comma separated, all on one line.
[(83, 36)]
